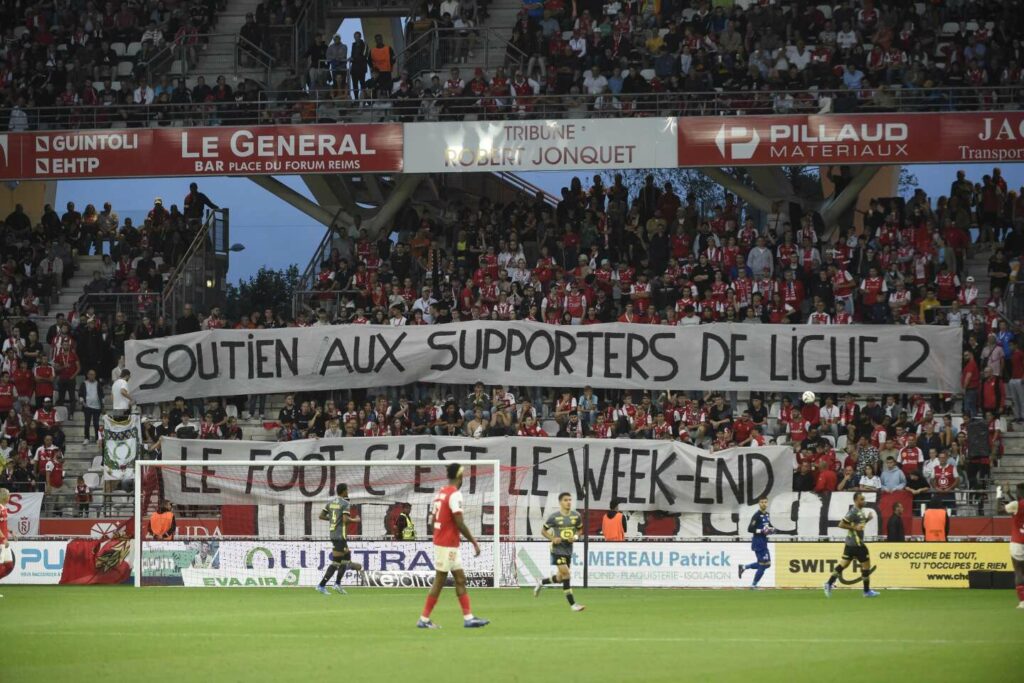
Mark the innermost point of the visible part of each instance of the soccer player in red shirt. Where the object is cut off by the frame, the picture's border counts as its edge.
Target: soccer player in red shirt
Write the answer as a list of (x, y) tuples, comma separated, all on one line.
[(1016, 508), (448, 524)]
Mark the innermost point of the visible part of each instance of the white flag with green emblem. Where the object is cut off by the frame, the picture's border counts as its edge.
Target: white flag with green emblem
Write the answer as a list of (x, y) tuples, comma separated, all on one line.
[(122, 441)]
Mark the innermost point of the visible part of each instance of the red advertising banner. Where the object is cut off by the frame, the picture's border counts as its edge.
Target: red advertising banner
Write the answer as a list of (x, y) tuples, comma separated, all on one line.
[(226, 150), (851, 139)]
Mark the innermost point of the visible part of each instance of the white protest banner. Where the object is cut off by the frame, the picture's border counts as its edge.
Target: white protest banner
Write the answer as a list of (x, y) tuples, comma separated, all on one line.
[(641, 474), (562, 145), (717, 357), (23, 511), (122, 440)]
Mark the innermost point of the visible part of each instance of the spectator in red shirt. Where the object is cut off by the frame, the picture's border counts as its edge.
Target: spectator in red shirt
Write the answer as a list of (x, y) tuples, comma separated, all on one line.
[(970, 382), (827, 480)]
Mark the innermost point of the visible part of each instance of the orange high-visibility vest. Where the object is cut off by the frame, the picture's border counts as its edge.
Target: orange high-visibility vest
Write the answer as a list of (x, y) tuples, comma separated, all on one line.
[(935, 524), (161, 526), (611, 527), (380, 57)]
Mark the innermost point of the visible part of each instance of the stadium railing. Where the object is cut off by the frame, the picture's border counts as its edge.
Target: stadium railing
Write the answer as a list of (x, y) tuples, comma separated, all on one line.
[(301, 107)]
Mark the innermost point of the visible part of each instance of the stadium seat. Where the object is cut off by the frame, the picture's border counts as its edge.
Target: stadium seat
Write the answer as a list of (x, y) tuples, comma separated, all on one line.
[(92, 480), (648, 74), (949, 28), (826, 10), (841, 442), (133, 49), (971, 26), (97, 464), (831, 440), (118, 48), (61, 414), (124, 69), (782, 439), (231, 410), (550, 426), (177, 68)]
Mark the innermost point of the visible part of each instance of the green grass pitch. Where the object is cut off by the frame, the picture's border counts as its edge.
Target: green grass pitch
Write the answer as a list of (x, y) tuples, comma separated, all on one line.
[(183, 635)]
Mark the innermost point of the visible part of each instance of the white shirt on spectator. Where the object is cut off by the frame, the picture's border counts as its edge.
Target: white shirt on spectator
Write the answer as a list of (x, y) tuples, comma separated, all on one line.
[(595, 85), (143, 95), (120, 401)]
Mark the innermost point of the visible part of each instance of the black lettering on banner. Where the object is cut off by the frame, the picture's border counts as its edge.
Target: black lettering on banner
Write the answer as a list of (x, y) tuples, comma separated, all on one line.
[(705, 353), (215, 370), (596, 487), (366, 367), (834, 357), (187, 375), (539, 453), (323, 485), (578, 477), (255, 454), (478, 348), (435, 342), (515, 347), (591, 337), (617, 471), (657, 484), (513, 453), (774, 374), (231, 346), (750, 458), (700, 481), (292, 471), (530, 362), (329, 362), (250, 356), (804, 377), (905, 376), (262, 360), (725, 478), (291, 359), (565, 346), (207, 472), (735, 358), (636, 474), (633, 357), (865, 360), (185, 488), (655, 338), (366, 473), (610, 355), (142, 362), (494, 344), (389, 352)]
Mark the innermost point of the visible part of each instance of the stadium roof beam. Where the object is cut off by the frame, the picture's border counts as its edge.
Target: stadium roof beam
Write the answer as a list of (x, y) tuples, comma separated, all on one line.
[(336, 205), (834, 208), (282, 191), (744, 192)]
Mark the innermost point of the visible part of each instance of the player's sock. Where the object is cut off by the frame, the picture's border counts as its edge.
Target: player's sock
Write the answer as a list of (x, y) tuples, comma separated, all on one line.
[(428, 608), (467, 613), (551, 580), (761, 569), (832, 579), (752, 565), (567, 589), (1020, 592), (867, 582), (328, 574), (341, 572)]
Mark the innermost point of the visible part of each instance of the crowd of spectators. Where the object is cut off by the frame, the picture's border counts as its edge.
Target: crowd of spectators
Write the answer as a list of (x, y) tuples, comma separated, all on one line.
[(76, 56), (669, 58), (48, 375), (591, 58), (617, 259)]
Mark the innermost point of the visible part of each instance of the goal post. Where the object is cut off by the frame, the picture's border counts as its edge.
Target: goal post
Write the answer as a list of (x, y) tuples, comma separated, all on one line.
[(256, 522)]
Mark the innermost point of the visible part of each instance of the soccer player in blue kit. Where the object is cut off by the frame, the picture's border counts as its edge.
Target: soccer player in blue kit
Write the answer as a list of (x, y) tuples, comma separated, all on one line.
[(760, 526)]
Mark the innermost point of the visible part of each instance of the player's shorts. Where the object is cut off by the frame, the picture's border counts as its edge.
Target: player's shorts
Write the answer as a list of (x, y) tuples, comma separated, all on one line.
[(1017, 551), (340, 545), (561, 560), (763, 556), (856, 552), (447, 559)]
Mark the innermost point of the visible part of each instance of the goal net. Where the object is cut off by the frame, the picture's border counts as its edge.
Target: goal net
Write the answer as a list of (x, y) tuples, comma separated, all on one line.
[(257, 523)]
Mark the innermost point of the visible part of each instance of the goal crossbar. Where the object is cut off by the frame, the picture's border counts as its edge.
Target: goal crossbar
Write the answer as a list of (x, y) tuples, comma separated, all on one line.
[(494, 465)]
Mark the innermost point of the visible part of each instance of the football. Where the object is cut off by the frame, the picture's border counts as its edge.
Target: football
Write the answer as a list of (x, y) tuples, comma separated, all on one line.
[(809, 397)]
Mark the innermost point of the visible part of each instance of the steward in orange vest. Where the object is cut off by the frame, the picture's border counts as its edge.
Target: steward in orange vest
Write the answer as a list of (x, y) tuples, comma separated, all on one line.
[(161, 524), (613, 524)]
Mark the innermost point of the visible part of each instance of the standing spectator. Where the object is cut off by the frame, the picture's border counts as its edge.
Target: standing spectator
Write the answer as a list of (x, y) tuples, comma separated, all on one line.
[(91, 393), (337, 63), (358, 63), (194, 203), (83, 497), (894, 527), (382, 58), (970, 382), (121, 395)]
